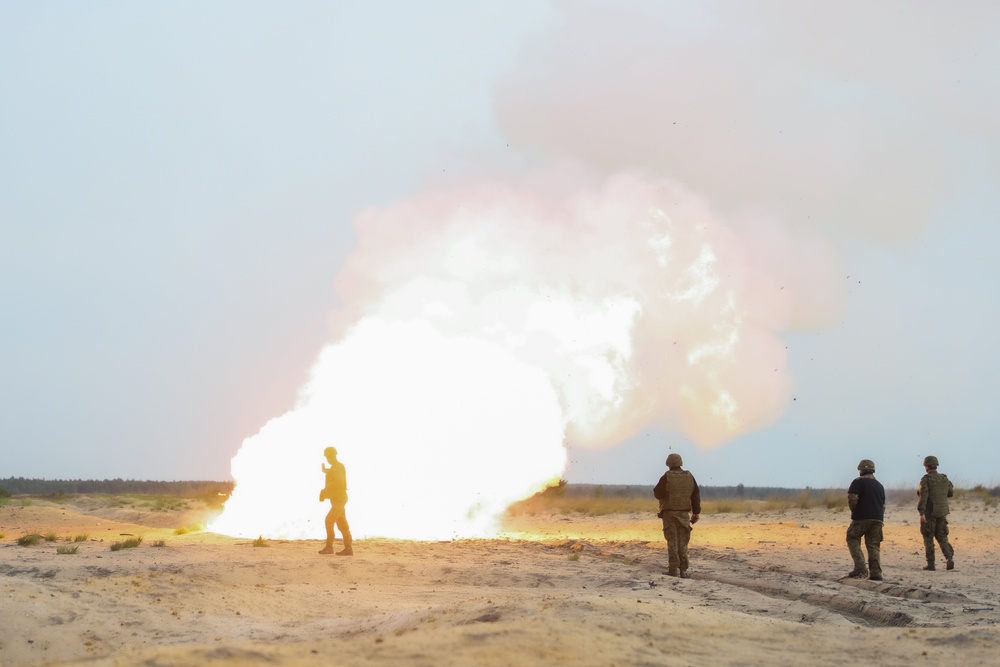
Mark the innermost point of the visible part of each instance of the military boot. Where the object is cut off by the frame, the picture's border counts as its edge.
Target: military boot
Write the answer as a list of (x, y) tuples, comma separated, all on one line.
[(858, 573), (328, 549), (930, 566), (950, 565)]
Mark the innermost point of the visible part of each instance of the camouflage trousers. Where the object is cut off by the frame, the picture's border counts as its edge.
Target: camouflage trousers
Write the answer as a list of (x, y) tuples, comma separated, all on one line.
[(936, 528), (677, 532), (871, 531)]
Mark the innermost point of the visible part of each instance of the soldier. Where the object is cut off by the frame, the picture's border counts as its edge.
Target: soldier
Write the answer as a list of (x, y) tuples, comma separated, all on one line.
[(336, 492), (680, 507), (932, 504), (866, 497)]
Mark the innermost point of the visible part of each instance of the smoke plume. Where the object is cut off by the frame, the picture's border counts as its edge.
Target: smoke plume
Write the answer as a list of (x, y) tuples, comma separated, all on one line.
[(486, 325)]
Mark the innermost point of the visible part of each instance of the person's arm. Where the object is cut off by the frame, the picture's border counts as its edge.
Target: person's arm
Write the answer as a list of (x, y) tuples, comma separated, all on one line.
[(922, 499), (660, 490), (852, 495), (695, 502)]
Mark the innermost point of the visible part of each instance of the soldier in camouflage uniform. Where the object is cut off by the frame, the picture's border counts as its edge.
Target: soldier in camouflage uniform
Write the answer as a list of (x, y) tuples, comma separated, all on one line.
[(680, 507), (932, 504), (866, 497)]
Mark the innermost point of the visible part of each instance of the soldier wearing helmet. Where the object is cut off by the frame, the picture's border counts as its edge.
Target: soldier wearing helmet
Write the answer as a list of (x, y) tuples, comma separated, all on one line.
[(866, 497), (335, 491), (932, 504), (680, 506)]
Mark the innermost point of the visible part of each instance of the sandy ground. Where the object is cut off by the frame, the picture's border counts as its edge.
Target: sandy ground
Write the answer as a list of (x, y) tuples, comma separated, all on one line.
[(766, 589)]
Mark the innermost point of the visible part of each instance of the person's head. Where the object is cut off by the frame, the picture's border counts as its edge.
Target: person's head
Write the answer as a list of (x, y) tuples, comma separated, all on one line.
[(674, 461), (330, 453), (931, 462), (866, 467)]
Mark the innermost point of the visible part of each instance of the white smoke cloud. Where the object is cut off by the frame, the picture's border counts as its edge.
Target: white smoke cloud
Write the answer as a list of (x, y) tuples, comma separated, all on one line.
[(851, 117), (720, 155), (639, 302), (497, 320)]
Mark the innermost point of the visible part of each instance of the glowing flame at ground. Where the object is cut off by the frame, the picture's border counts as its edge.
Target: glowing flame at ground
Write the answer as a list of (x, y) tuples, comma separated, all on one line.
[(439, 434), (484, 326)]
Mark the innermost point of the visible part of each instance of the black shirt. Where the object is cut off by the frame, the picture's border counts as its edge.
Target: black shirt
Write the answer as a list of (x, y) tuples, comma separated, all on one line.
[(871, 499)]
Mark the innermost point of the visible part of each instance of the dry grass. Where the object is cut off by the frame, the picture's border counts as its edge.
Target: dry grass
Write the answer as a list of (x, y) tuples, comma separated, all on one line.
[(599, 503), (67, 550), (130, 543), (29, 540)]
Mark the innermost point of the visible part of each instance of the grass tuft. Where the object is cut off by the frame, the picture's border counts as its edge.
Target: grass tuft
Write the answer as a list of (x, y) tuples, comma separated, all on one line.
[(29, 540), (81, 538), (260, 542), (67, 549), (51, 536), (130, 543), (158, 543)]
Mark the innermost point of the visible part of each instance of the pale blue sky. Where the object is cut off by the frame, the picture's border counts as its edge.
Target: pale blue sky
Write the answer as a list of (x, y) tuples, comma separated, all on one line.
[(178, 183)]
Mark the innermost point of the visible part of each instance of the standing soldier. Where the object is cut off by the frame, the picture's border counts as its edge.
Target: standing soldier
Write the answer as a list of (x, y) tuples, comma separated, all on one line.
[(680, 507), (866, 497), (336, 492), (932, 504)]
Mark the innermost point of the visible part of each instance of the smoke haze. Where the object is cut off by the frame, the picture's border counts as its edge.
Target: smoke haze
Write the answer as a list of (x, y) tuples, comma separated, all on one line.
[(748, 231), (620, 303)]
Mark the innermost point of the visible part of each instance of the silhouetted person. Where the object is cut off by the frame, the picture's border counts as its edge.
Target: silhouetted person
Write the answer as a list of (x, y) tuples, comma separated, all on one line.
[(336, 492), (680, 506), (866, 497)]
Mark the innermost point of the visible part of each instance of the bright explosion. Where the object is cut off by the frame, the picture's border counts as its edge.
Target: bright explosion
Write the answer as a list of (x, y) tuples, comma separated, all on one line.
[(485, 327)]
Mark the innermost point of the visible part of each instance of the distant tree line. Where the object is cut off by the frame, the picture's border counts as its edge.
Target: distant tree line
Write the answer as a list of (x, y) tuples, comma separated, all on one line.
[(724, 492), (45, 487), (707, 492)]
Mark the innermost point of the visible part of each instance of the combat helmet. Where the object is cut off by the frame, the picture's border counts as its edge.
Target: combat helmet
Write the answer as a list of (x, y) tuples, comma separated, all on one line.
[(931, 461), (674, 460), (866, 465)]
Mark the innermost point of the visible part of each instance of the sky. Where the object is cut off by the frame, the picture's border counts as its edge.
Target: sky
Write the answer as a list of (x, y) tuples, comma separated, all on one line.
[(764, 233)]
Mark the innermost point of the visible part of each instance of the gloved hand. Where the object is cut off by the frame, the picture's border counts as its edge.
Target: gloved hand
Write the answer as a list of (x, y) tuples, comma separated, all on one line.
[(695, 517)]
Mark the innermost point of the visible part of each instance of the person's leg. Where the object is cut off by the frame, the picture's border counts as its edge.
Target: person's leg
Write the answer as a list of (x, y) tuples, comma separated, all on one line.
[(873, 543), (683, 537), (854, 546), (941, 535), (345, 531), (670, 535), (331, 517), (927, 531)]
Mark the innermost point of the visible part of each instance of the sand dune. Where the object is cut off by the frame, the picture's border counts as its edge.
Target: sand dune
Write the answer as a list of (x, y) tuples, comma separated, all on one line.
[(766, 589)]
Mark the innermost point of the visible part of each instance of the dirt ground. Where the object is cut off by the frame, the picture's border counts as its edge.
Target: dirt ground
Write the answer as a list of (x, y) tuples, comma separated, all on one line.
[(766, 589)]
